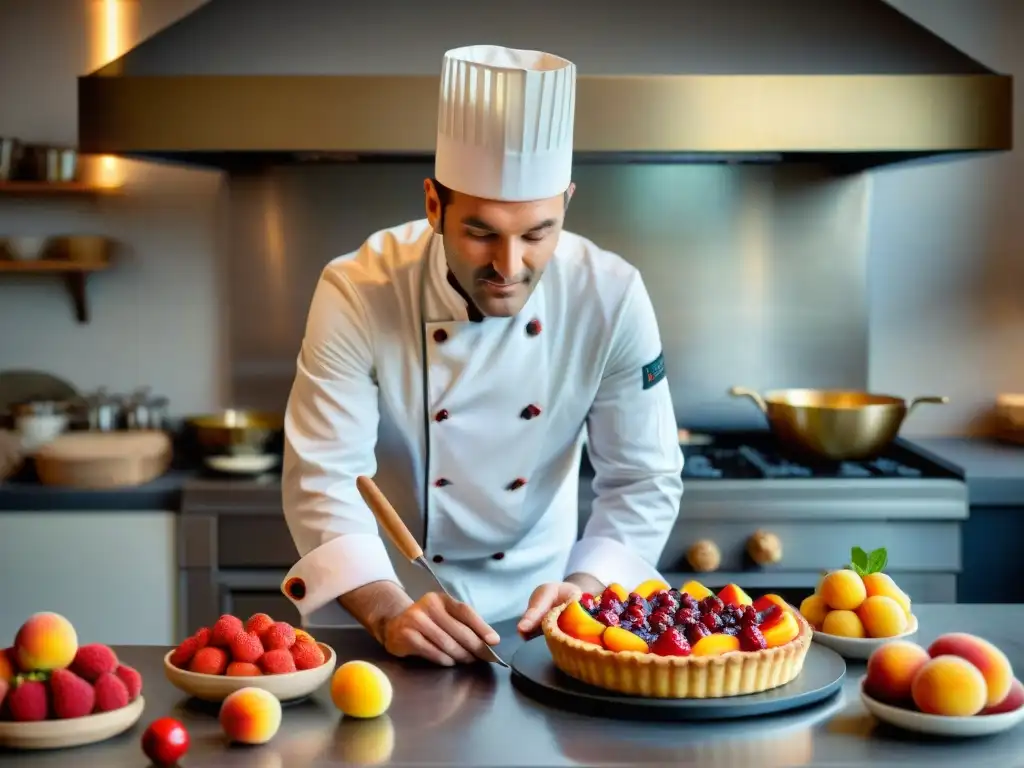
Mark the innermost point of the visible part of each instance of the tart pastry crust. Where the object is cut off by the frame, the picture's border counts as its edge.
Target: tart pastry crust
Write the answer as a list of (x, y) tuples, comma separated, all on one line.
[(633, 673)]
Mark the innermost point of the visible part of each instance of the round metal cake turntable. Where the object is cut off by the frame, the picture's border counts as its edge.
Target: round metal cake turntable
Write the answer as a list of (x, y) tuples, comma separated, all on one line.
[(535, 674)]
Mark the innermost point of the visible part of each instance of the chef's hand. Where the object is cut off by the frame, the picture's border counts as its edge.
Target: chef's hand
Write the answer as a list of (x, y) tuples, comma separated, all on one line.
[(439, 629), (544, 598)]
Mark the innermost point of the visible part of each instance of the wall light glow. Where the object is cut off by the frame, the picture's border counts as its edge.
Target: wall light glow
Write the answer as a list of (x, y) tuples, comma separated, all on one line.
[(113, 29)]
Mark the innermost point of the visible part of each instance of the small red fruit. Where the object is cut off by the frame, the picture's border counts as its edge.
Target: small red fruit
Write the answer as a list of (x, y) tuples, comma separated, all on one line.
[(72, 696), (165, 742), (258, 623), (132, 680), (225, 629), (111, 693), (277, 662), (246, 647), (672, 642), (209, 661), (279, 636), (93, 660), (307, 656)]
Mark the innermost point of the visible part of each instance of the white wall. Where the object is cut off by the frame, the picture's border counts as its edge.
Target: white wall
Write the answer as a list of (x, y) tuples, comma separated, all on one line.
[(946, 260), (155, 317)]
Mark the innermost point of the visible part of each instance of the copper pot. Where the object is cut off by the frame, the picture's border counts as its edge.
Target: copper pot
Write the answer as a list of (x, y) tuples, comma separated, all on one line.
[(838, 425)]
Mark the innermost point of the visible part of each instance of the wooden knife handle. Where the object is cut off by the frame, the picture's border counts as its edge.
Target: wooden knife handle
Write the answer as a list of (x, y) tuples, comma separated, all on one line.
[(388, 518)]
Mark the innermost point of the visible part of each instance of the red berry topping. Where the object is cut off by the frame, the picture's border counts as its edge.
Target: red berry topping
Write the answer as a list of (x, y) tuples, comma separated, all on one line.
[(695, 632), (711, 603), (712, 621), (672, 642), (686, 616), (751, 638), (661, 620), (608, 618), (610, 601), (588, 602)]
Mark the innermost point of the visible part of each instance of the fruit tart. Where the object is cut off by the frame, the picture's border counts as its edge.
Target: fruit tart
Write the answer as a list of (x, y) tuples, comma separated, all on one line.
[(686, 643)]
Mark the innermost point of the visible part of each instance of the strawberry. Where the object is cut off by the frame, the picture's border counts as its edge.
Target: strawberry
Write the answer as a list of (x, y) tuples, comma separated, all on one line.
[(258, 623), (73, 696), (307, 655), (28, 702), (209, 661), (279, 636), (224, 630), (132, 680), (751, 638), (111, 693), (93, 660), (242, 669), (246, 647), (277, 662)]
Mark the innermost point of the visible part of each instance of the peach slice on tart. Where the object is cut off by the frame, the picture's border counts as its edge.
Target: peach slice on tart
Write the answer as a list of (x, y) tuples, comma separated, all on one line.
[(664, 642), (650, 587), (764, 602)]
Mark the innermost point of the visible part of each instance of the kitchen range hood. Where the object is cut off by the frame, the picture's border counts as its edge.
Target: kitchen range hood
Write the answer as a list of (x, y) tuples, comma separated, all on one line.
[(851, 83)]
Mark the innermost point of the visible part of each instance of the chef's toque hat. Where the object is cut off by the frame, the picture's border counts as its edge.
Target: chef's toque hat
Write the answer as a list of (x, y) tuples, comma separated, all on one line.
[(505, 123)]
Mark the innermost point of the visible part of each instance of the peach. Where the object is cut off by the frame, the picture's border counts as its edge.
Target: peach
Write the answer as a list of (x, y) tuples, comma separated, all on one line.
[(696, 590), (882, 585), (576, 622), (891, 669), (843, 590), (990, 661), (620, 591), (7, 666), (647, 588), (731, 594), (45, 642), (250, 716), (782, 631), (618, 639), (1013, 701), (716, 645), (764, 602), (814, 609), (361, 689), (882, 617), (843, 624), (950, 686)]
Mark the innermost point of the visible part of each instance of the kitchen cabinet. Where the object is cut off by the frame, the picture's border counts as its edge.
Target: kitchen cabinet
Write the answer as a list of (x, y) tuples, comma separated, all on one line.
[(993, 566), (111, 573)]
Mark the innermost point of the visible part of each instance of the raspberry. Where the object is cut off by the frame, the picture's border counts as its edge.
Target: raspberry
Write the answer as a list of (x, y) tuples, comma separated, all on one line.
[(258, 623), (712, 603), (209, 661), (72, 695), (242, 669), (132, 680), (588, 602), (307, 655), (688, 601), (672, 642), (712, 621), (279, 636), (610, 601), (608, 618), (635, 599), (661, 620), (111, 693), (277, 662), (686, 616), (28, 702), (695, 632), (224, 630), (246, 647), (635, 612), (93, 660), (749, 615), (751, 638)]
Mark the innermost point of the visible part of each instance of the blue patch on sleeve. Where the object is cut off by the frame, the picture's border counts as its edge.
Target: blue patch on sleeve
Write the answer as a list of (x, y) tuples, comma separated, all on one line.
[(654, 371)]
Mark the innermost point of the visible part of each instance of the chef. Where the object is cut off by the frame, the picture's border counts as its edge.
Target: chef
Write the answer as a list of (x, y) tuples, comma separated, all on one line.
[(463, 361)]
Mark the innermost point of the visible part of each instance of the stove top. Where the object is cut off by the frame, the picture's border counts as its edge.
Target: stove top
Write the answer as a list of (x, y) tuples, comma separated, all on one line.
[(759, 456)]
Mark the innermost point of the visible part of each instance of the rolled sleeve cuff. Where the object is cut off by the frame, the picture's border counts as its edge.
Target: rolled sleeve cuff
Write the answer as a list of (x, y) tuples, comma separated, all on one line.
[(348, 562), (610, 561)]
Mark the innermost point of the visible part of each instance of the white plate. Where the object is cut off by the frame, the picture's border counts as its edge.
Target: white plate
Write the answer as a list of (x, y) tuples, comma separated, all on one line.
[(73, 732), (286, 687), (861, 648), (243, 465), (937, 725)]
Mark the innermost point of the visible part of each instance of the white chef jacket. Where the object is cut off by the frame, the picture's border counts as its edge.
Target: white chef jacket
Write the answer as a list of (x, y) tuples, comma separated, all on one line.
[(481, 455)]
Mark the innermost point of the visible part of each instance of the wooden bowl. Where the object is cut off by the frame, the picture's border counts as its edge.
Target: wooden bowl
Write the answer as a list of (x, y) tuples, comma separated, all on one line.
[(287, 687), (74, 732)]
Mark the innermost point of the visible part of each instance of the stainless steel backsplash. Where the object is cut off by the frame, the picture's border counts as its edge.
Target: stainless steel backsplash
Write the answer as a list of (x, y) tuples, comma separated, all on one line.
[(757, 273)]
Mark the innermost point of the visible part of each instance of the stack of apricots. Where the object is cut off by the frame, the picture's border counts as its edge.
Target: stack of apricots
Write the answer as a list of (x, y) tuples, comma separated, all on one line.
[(959, 675), (860, 601), (692, 620)]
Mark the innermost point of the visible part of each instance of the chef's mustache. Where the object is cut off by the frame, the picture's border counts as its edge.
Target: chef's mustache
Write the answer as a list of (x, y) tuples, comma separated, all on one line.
[(491, 275)]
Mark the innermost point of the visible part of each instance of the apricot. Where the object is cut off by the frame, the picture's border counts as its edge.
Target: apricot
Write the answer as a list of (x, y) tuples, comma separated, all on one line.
[(620, 591), (764, 602), (45, 642), (731, 594), (1013, 701), (7, 665), (618, 639), (814, 609), (647, 588), (361, 689), (696, 590), (250, 716), (576, 622), (843, 624), (991, 662), (950, 686), (716, 645), (882, 617), (843, 590), (782, 631), (891, 669), (882, 585)]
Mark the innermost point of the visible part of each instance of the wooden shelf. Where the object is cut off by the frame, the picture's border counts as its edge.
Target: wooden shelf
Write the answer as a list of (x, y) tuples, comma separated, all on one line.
[(55, 188), (73, 272)]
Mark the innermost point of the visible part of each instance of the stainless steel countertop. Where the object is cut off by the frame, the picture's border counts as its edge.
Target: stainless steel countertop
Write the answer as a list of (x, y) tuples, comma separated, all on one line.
[(474, 716)]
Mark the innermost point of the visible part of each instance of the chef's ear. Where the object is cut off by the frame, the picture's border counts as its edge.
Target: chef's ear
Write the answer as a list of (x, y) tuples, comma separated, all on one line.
[(569, 193), (434, 207)]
